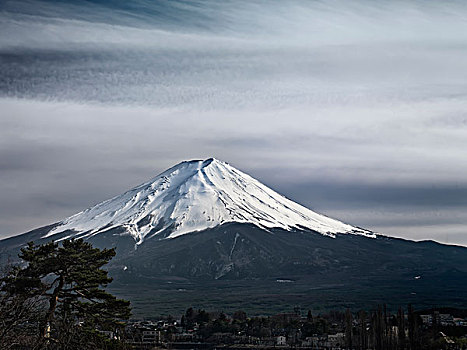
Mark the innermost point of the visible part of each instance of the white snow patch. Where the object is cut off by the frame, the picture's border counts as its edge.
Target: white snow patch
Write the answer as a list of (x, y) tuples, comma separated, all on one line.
[(233, 246)]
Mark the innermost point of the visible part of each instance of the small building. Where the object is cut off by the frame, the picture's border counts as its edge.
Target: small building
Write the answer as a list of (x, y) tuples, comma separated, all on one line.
[(149, 336), (427, 319), (443, 319), (336, 341), (446, 319), (310, 342), (281, 340)]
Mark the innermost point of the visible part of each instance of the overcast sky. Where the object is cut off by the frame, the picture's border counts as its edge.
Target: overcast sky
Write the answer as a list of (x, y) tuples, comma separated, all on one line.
[(356, 109)]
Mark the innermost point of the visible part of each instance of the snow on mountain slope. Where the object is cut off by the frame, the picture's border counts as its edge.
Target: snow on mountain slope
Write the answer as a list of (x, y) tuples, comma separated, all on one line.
[(196, 195)]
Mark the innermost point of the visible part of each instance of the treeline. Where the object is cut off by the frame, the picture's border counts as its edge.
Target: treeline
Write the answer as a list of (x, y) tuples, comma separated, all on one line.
[(381, 330), (377, 329), (207, 324)]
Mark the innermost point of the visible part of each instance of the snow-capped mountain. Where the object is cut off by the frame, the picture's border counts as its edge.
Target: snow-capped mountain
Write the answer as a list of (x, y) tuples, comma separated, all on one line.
[(194, 196), (236, 240)]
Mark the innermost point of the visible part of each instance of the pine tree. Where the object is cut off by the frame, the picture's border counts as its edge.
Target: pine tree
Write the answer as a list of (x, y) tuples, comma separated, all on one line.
[(16, 312), (190, 318), (411, 326), (363, 332), (348, 328), (401, 328), (69, 278)]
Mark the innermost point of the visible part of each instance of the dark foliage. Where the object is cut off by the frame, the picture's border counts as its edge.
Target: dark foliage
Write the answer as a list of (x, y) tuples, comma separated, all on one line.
[(60, 299)]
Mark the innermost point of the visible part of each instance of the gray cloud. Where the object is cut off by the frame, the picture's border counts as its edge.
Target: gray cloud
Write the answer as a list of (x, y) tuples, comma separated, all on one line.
[(354, 108)]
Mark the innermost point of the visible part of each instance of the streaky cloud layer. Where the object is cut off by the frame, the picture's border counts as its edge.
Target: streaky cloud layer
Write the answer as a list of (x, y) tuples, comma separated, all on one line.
[(97, 96)]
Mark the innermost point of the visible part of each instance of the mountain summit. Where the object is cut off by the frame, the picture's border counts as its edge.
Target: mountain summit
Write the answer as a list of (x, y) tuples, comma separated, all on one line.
[(194, 196)]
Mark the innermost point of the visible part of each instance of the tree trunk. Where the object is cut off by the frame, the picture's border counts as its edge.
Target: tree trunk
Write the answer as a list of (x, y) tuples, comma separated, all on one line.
[(50, 312)]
